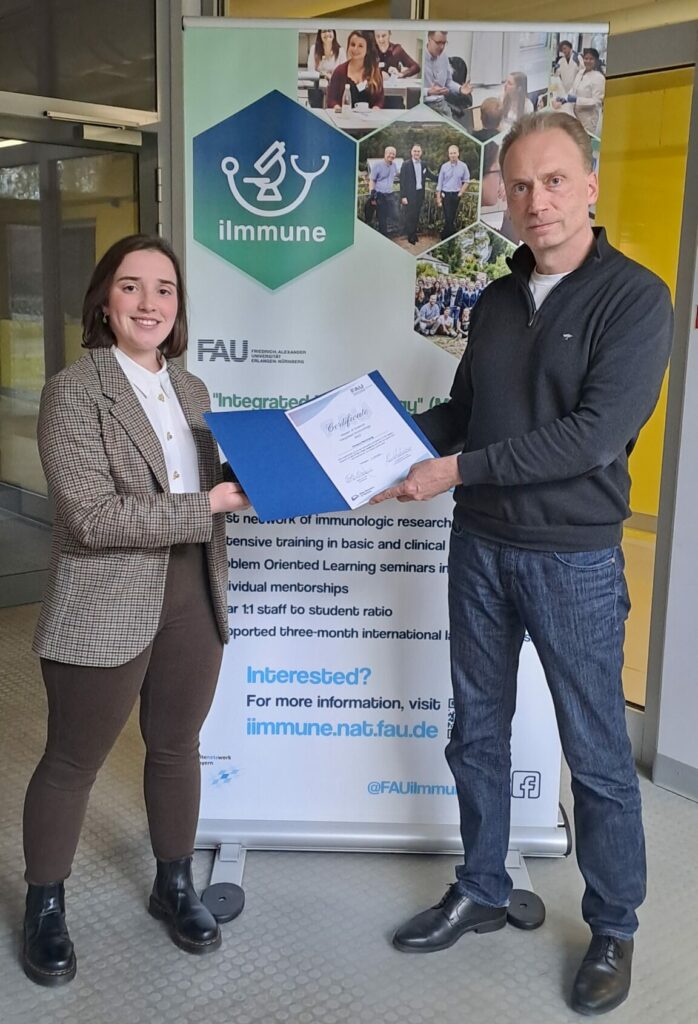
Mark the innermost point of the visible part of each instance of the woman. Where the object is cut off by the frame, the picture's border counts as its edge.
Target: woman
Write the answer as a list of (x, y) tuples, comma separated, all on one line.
[(515, 102), (393, 60), (326, 54), (360, 73), (136, 597), (588, 92)]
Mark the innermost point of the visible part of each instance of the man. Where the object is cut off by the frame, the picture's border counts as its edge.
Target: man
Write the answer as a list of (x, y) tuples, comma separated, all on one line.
[(490, 116), (567, 65), (414, 174), (439, 82), (451, 184), (563, 366), (383, 175), (429, 315)]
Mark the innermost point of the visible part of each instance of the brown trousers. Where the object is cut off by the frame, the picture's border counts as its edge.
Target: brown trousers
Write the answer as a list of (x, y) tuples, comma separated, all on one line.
[(88, 707)]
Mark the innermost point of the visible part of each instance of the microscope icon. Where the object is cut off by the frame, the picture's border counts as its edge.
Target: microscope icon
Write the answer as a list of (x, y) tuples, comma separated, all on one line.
[(271, 171)]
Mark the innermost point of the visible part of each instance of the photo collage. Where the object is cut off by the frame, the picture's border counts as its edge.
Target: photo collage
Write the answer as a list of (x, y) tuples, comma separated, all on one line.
[(429, 110)]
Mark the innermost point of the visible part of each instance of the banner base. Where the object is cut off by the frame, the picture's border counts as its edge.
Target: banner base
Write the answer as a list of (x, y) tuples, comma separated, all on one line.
[(363, 837)]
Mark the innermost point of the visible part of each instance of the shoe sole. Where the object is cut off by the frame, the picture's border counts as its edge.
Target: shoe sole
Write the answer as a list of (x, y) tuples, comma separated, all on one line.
[(49, 979), (586, 1011), (160, 913), (480, 929)]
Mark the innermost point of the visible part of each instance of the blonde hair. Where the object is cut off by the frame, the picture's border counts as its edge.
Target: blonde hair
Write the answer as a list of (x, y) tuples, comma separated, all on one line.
[(546, 121)]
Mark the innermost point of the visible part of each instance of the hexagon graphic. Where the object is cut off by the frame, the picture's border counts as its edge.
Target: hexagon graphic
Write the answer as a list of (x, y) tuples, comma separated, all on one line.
[(407, 211), (450, 278), (274, 190)]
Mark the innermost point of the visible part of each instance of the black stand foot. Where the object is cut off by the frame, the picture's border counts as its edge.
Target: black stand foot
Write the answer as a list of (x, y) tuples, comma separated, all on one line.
[(224, 900), (526, 910)]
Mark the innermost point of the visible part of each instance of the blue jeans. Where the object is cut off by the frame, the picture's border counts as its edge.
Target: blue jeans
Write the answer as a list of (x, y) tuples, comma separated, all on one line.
[(574, 606)]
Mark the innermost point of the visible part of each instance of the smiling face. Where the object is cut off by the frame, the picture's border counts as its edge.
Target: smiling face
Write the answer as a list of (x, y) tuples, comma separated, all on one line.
[(549, 191), (356, 48), (566, 50), (142, 304), (389, 154), (382, 40), (327, 37), (416, 152), (453, 153), (589, 61)]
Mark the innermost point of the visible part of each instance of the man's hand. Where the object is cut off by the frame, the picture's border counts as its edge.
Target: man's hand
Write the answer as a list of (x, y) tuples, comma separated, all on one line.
[(404, 202), (424, 481), (437, 90), (466, 89)]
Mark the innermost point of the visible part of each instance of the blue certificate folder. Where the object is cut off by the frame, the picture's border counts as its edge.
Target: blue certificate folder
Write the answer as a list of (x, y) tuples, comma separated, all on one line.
[(279, 473)]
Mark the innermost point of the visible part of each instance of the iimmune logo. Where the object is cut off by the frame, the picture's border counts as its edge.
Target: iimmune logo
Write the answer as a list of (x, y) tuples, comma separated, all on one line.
[(274, 190)]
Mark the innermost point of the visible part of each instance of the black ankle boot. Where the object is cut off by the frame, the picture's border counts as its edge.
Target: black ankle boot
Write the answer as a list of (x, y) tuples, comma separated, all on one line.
[(174, 900), (48, 957)]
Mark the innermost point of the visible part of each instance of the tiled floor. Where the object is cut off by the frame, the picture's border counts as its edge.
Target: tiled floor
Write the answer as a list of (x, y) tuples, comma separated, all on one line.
[(312, 946)]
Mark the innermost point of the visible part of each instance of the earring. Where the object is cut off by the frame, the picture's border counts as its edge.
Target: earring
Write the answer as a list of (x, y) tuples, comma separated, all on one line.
[(105, 318)]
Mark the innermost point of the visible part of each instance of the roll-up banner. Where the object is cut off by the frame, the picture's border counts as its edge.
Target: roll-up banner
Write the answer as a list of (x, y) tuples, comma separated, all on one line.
[(344, 212)]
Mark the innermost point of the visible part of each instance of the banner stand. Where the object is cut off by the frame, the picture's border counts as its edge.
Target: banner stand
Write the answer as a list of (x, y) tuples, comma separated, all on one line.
[(225, 891), (306, 268)]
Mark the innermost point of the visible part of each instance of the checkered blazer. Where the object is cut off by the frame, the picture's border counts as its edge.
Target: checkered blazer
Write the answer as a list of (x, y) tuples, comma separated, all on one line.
[(115, 518)]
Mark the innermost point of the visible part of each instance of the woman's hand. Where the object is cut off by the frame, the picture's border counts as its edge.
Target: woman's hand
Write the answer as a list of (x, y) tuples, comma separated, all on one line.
[(228, 498)]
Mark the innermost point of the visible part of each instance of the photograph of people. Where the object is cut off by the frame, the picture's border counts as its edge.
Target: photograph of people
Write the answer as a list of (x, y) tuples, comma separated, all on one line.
[(567, 66), (393, 60), (383, 174), (326, 54), (442, 92), (455, 275), (402, 163), (451, 186), (520, 459), (136, 601), (490, 115), (585, 99), (414, 175), (493, 209), (358, 80), (515, 101)]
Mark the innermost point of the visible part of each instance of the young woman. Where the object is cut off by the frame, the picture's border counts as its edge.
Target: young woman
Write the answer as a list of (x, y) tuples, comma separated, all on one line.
[(326, 53), (136, 599), (515, 102), (360, 72)]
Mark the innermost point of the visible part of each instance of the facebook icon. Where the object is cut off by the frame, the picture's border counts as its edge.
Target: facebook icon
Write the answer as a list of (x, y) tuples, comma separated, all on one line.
[(525, 785)]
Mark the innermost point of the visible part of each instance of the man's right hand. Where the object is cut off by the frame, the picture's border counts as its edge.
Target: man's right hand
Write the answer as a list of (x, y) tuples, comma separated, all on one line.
[(227, 497)]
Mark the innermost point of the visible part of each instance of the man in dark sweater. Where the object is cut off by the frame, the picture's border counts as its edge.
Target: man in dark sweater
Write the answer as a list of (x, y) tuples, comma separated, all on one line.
[(564, 364)]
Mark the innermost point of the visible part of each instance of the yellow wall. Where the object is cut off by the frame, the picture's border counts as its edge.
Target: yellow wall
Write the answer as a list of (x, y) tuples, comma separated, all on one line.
[(642, 172), (622, 15)]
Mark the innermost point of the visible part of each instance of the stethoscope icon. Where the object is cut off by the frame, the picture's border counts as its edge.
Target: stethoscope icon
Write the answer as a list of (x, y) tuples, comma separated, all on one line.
[(268, 188)]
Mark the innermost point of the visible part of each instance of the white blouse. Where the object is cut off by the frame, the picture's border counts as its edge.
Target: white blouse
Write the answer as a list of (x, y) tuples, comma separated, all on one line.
[(160, 403)]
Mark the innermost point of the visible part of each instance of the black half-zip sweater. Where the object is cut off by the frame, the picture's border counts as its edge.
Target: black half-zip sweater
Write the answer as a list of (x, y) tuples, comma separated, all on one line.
[(547, 403)]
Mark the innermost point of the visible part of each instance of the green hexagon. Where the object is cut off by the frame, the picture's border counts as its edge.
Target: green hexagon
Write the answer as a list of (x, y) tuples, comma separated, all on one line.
[(274, 190)]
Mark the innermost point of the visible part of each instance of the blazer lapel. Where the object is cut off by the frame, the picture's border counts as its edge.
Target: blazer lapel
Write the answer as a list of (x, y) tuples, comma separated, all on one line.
[(129, 412), (206, 450)]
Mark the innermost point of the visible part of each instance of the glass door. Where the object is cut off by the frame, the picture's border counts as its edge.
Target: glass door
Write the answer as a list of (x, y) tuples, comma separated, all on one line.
[(61, 207)]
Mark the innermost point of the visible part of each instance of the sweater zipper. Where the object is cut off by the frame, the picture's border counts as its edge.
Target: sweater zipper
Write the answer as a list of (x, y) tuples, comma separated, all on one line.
[(532, 308)]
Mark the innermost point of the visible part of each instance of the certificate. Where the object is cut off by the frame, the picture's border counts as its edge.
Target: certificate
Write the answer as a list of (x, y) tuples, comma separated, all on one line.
[(359, 439), (330, 454)]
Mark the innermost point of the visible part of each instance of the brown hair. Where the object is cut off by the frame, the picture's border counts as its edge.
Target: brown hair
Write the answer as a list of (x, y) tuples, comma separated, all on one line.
[(515, 101), (546, 121), (319, 48), (372, 73), (96, 333)]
